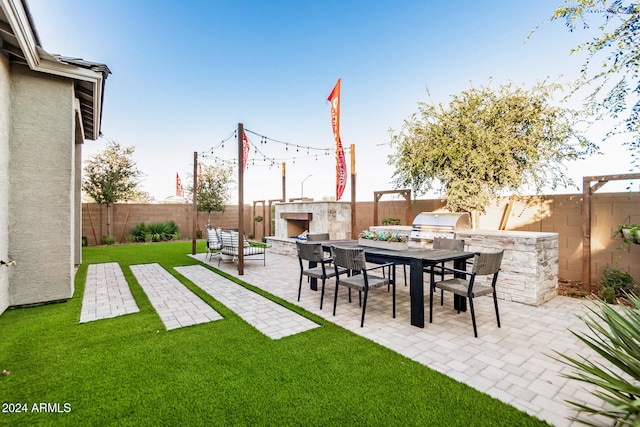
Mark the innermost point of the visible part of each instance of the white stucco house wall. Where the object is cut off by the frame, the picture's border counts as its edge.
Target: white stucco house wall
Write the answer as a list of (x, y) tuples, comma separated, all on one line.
[(49, 105)]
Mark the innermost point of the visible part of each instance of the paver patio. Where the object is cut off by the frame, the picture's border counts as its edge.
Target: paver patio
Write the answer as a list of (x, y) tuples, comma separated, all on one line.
[(512, 363)]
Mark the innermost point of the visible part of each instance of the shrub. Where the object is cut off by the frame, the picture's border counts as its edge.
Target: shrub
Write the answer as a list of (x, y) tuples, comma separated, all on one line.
[(614, 334), (391, 221), (139, 234), (615, 282), (608, 295), (171, 230), (157, 232), (108, 240)]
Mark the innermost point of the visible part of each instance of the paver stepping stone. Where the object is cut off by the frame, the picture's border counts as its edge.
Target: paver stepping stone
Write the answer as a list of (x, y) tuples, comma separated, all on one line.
[(273, 320), (176, 305), (106, 293)]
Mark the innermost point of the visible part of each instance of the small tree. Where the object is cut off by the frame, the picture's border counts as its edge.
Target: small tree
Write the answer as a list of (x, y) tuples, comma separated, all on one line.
[(212, 193), (487, 142), (111, 176)]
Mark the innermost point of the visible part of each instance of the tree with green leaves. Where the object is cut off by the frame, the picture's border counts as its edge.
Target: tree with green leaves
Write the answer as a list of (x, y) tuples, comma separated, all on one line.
[(212, 192), (485, 143), (611, 71), (111, 176)]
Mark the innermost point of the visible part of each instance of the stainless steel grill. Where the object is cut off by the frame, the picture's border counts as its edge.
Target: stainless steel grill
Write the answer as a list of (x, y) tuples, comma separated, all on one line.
[(428, 225)]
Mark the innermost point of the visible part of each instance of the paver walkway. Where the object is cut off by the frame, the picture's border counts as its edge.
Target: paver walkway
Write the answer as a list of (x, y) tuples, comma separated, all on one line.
[(176, 305), (106, 293), (273, 320), (512, 363)]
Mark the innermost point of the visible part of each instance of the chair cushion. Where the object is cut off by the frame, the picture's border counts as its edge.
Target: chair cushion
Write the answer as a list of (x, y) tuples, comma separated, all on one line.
[(461, 286), (226, 239), (357, 281), (457, 286), (213, 239), (247, 251), (316, 272)]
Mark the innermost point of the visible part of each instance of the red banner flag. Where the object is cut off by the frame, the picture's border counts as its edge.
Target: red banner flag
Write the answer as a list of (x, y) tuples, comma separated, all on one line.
[(245, 150), (179, 189), (341, 163)]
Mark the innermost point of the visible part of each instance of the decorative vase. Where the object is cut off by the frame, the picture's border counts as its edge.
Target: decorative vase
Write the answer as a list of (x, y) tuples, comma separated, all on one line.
[(394, 246)]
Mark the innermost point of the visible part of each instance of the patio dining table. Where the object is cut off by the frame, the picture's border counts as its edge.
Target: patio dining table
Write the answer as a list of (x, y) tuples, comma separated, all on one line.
[(418, 259)]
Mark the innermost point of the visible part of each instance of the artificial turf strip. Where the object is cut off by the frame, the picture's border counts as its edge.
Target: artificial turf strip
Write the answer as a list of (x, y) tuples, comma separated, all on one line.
[(130, 371)]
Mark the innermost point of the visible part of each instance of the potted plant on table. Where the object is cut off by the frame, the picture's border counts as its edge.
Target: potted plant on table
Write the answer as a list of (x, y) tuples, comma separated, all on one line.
[(381, 239)]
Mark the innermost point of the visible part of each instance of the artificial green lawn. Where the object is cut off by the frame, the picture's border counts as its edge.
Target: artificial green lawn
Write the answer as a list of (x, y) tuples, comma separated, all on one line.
[(130, 371)]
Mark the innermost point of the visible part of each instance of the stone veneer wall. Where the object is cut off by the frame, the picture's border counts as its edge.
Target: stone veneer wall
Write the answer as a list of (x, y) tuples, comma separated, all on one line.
[(282, 246), (529, 272)]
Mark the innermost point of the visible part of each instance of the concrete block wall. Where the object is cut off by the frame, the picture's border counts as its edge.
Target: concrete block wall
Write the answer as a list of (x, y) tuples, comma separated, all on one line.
[(561, 214), (125, 217)]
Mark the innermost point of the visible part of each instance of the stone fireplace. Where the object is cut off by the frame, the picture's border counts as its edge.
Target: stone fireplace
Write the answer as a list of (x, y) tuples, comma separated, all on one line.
[(294, 218), (297, 222)]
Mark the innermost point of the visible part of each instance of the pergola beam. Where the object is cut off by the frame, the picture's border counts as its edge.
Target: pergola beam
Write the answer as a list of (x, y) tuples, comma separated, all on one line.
[(378, 194)]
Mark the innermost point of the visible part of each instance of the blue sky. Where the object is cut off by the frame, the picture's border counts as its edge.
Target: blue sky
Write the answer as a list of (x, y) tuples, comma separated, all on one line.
[(185, 73)]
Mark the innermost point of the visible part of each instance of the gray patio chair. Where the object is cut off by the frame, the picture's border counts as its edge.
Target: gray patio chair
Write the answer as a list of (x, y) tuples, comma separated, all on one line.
[(353, 259), (319, 266), (319, 237), (445, 244), (484, 264)]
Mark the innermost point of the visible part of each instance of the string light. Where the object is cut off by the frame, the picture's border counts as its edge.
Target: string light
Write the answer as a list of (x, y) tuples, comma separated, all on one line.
[(266, 160)]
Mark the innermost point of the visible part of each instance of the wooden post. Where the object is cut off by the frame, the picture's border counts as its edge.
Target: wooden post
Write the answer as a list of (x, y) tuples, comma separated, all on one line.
[(195, 202), (240, 201), (284, 181), (353, 192), (586, 234)]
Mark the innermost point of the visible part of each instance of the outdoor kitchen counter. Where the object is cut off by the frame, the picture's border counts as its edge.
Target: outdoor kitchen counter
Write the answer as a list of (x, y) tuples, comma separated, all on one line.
[(529, 272)]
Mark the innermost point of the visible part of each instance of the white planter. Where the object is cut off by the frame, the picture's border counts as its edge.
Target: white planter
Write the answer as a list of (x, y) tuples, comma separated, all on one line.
[(394, 246), (626, 235)]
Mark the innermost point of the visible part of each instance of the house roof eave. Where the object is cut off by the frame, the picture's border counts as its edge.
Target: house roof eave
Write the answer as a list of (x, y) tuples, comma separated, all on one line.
[(20, 36)]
